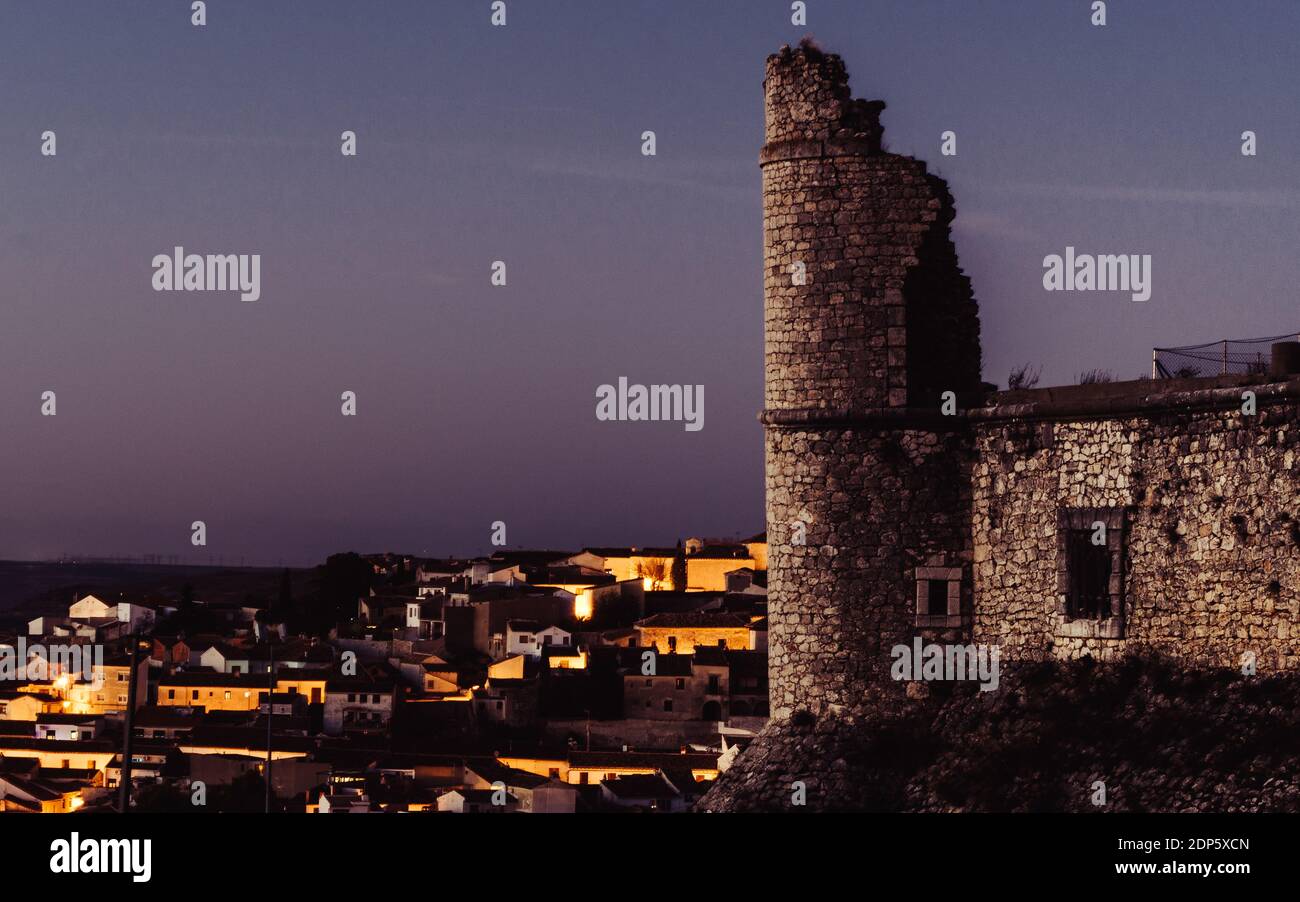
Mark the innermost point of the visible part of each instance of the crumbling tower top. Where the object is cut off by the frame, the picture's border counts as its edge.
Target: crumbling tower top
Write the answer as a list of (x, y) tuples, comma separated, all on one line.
[(808, 99), (866, 307)]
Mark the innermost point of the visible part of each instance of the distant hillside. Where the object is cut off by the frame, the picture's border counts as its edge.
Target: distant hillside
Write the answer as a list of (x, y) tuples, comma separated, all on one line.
[(28, 588)]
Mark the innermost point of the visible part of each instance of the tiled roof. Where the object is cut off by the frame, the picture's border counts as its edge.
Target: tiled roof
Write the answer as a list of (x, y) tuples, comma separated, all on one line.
[(694, 620), (641, 786), (657, 760), (492, 770)]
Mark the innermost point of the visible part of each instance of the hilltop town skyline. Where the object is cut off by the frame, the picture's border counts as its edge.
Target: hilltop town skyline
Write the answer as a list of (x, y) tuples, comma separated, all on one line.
[(792, 407)]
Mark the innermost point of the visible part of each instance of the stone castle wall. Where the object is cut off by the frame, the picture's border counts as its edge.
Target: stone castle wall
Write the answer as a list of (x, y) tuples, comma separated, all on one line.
[(1210, 536), (888, 519)]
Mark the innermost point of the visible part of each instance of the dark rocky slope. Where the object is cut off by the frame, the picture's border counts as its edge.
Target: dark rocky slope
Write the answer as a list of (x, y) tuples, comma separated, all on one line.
[(1161, 738)]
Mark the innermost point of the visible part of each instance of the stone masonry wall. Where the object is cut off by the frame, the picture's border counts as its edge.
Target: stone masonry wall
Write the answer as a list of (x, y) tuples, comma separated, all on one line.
[(1211, 543), (876, 506)]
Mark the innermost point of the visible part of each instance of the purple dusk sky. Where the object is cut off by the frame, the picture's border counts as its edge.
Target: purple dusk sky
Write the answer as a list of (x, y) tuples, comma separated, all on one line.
[(522, 144)]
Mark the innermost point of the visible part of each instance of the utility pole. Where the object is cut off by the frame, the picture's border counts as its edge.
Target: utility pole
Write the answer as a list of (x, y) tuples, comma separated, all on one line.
[(124, 791), (270, 709)]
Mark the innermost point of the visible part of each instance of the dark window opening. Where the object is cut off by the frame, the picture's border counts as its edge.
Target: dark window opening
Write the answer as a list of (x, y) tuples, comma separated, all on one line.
[(1089, 571), (936, 603)]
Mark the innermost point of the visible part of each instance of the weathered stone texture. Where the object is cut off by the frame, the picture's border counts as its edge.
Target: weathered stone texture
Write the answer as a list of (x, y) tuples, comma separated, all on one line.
[(857, 252), (875, 505), (857, 255), (1212, 545)]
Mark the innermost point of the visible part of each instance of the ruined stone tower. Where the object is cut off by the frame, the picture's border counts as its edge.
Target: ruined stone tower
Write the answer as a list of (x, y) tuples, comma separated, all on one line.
[(1156, 516), (868, 322)]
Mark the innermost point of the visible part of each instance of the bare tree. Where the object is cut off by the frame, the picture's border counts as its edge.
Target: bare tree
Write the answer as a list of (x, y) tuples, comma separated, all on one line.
[(1023, 377), (654, 569)]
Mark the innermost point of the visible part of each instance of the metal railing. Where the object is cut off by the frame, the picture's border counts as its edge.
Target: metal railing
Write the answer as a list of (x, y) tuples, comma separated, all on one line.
[(1217, 358)]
